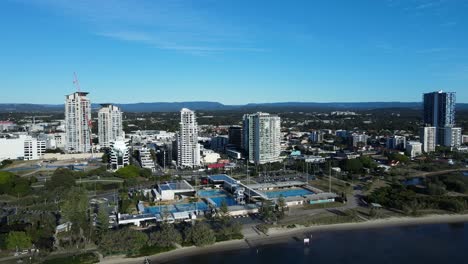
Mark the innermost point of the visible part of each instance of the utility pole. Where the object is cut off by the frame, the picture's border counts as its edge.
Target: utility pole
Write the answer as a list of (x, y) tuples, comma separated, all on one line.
[(329, 177)]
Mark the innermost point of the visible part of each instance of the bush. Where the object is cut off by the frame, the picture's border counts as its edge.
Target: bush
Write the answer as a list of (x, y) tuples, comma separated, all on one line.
[(85, 258), (126, 241), (200, 235), (166, 237), (17, 239)]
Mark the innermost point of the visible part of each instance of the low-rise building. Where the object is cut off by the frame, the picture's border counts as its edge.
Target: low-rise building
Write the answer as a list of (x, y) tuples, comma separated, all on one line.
[(146, 160), (21, 147), (219, 143), (413, 148), (209, 156)]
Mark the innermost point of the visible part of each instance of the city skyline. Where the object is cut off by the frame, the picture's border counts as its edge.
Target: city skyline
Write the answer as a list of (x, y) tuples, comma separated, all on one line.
[(233, 53)]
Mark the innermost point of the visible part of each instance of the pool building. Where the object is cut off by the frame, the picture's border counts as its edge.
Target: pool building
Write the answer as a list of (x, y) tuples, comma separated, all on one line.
[(179, 201)]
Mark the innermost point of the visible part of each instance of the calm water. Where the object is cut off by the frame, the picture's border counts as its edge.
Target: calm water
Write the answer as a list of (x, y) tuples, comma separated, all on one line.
[(414, 181), (440, 243)]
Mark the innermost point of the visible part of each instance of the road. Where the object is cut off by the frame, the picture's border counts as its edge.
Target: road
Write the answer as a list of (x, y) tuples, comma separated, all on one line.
[(433, 173)]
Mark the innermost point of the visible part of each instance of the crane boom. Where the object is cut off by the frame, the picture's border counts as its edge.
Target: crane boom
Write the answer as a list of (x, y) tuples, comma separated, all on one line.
[(76, 82)]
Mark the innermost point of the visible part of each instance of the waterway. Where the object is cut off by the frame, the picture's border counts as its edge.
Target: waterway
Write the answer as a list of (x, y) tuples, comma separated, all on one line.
[(428, 244)]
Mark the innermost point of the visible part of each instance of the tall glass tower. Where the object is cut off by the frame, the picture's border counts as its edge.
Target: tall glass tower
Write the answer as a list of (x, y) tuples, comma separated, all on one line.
[(439, 109)]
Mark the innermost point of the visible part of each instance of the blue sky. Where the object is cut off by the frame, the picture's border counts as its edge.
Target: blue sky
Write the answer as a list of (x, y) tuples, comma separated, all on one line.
[(233, 51)]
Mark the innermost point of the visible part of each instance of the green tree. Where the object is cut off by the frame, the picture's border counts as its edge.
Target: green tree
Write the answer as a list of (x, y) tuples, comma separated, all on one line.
[(105, 158), (125, 240), (62, 179), (229, 230), (75, 209), (18, 240), (368, 162), (145, 172), (266, 211), (127, 172), (166, 236), (398, 157), (281, 203), (7, 180), (353, 166), (200, 235), (223, 209), (102, 223)]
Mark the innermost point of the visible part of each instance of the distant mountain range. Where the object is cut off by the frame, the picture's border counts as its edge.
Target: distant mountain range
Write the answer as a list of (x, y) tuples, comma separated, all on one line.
[(215, 106)]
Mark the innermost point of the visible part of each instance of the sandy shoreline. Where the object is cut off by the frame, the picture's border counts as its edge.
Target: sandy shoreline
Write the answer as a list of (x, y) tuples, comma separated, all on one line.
[(278, 235)]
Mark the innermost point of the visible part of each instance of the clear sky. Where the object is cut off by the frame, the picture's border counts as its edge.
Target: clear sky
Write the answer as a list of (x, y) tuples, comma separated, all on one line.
[(233, 51)]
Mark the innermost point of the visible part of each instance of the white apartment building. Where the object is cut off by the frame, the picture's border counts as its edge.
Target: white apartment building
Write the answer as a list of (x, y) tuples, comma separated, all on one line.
[(413, 148), (119, 155), (262, 137), (145, 159), (77, 123), (188, 150), (33, 148), (21, 147), (109, 125), (451, 136), (428, 139), (396, 142), (359, 139)]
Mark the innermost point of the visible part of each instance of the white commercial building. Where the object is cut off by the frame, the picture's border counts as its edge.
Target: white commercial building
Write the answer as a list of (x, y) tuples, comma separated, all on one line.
[(209, 156), (53, 140), (21, 147), (262, 137), (109, 124), (188, 150), (77, 123), (428, 139), (414, 148), (119, 155), (7, 125)]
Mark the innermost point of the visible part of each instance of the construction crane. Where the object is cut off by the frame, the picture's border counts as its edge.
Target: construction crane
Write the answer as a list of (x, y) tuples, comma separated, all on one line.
[(76, 82)]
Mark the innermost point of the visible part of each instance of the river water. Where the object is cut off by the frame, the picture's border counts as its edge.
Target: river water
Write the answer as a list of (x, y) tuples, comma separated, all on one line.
[(435, 243)]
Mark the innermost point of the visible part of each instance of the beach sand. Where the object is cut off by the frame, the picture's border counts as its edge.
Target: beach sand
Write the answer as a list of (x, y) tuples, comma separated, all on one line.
[(278, 235)]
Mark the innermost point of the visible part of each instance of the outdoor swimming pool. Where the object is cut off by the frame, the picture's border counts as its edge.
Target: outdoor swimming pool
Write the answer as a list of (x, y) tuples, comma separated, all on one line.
[(228, 199), (211, 193), (288, 193), (173, 208)]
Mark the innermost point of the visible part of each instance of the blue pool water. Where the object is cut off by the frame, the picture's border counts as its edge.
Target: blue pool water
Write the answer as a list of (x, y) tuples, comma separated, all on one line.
[(413, 182), (211, 193), (177, 208), (218, 200), (288, 193)]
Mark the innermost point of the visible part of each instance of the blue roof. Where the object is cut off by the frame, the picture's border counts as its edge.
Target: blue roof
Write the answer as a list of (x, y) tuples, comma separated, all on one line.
[(222, 177), (165, 187)]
